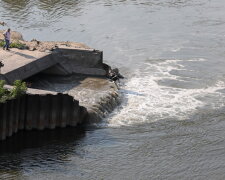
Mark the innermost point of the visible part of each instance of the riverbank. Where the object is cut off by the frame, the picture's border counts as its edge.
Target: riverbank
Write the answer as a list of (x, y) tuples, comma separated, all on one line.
[(41, 46)]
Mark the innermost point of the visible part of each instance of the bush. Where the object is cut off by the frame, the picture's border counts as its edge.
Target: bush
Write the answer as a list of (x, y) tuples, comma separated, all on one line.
[(4, 93), (2, 43), (19, 89), (16, 44)]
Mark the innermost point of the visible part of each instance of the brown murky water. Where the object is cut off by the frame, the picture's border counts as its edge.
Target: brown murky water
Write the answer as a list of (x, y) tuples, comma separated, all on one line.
[(171, 123)]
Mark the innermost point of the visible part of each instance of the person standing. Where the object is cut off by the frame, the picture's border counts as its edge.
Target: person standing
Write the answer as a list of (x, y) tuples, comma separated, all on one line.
[(7, 35)]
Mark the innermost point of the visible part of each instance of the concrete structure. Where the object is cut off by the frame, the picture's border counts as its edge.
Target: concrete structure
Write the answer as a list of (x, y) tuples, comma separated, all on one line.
[(88, 102), (21, 64), (80, 61), (97, 94), (89, 99)]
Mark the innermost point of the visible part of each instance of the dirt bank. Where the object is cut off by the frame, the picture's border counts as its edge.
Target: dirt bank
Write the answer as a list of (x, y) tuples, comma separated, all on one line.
[(42, 46)]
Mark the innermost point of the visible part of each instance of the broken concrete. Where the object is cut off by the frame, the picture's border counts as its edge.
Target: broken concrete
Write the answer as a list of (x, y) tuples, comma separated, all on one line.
[(21, 64)]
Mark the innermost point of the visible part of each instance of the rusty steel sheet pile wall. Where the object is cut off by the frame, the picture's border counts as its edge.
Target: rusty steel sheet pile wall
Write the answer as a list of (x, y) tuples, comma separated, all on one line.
[(39, 112)]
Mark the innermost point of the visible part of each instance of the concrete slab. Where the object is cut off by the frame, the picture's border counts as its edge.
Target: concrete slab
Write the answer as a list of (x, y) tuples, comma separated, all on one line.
[(21, 64), (35, 91), (16, 58)]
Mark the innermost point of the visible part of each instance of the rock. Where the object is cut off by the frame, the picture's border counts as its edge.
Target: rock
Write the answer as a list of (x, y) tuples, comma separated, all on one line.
[(2, 23), (113, 74), (16, 36), (32, 48)]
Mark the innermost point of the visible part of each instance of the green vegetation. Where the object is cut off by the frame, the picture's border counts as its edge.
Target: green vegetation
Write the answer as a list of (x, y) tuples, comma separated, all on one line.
[(16, 44), (4, 93), (19, 89), (2, 43)]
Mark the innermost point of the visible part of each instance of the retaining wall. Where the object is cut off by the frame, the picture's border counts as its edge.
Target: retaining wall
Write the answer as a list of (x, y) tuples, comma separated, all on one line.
[(79, 61), (39, 112)]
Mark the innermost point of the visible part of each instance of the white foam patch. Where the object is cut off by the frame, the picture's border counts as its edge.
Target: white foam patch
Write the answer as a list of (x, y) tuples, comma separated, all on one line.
[(176, 50), (145, 100)]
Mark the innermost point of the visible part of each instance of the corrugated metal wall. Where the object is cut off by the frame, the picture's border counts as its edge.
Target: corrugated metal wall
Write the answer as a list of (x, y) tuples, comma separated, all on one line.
[(39, 112)]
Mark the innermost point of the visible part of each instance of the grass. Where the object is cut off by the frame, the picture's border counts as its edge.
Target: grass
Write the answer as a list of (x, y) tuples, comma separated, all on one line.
[(16, 44), (19, 89)]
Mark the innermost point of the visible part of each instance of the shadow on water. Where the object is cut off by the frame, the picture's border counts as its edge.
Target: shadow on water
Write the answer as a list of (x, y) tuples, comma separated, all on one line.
[(38, 148), (36, 139)]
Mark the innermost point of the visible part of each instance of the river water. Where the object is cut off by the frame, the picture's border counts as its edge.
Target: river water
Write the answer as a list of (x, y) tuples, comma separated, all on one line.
[(171, 123)]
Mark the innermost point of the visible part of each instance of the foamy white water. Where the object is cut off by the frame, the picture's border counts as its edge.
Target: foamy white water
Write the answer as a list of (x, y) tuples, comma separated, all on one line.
[(145, 100)]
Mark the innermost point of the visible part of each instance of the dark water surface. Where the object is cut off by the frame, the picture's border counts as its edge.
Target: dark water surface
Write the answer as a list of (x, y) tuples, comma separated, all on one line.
[(171, 123)]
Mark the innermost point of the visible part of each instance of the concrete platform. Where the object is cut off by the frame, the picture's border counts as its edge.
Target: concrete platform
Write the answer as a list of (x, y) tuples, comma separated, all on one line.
[(20, 64), (16, 58)]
